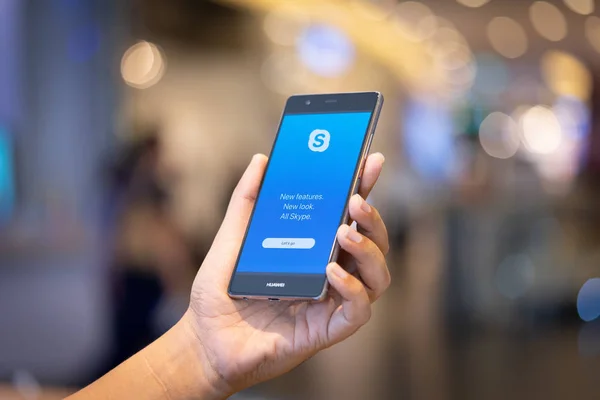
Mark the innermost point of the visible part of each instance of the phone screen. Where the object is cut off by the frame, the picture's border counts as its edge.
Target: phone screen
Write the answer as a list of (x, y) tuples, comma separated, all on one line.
[(303, 196)]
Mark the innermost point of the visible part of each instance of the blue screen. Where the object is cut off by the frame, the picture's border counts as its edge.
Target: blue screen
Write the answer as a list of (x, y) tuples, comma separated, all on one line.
[(304, 193)]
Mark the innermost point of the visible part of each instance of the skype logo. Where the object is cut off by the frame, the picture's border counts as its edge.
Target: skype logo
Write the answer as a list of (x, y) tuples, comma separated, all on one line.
[(318, 140)]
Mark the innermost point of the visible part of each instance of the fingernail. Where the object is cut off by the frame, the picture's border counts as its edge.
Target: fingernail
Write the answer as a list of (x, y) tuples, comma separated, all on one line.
[(338, 271), (364, 205), (352, 235)]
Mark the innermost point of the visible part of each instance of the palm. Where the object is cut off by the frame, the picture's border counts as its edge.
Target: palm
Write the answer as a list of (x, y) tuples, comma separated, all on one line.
[(250, 341), (264, 337)]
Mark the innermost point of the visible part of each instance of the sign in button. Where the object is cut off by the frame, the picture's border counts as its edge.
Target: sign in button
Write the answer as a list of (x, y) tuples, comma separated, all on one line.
[(288, 243)]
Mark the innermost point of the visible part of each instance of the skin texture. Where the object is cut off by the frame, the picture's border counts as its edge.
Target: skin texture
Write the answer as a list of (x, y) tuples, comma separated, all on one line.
[(222, 346)]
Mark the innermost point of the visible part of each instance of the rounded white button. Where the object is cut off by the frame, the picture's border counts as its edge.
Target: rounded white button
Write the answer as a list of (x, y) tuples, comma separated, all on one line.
[(288, 243)]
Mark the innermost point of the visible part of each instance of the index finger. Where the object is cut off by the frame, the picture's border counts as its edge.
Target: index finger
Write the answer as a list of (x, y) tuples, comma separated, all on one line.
[(371, 172)]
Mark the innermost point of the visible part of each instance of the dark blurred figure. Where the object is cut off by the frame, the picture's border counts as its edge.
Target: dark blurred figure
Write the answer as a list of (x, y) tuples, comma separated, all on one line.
[(153, 265)]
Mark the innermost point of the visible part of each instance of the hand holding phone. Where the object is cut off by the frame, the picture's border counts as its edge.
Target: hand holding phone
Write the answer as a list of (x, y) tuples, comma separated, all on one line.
[(244, 342), (222, 344)]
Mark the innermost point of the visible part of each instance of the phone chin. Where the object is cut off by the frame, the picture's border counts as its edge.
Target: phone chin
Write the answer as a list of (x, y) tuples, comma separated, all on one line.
[(278, 287)]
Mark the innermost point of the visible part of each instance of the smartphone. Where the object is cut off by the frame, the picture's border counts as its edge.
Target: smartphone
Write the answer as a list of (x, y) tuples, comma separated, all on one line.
[(314, 168)]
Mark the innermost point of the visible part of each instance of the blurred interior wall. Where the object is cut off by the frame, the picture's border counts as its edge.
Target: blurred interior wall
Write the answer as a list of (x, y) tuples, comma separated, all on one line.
[(10, 101), (211, 114), (53, 318)]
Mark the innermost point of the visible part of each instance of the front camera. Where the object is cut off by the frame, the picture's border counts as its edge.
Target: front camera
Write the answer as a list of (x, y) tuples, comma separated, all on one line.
[(307, 102)]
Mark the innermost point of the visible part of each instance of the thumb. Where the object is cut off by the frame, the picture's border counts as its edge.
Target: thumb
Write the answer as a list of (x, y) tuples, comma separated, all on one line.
[(227, 243)]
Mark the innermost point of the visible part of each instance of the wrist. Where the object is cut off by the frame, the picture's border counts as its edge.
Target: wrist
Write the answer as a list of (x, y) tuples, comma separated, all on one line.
[(179, 362), (220, 389)]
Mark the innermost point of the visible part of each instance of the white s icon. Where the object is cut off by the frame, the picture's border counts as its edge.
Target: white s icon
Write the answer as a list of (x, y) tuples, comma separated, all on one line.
[(318, 140)]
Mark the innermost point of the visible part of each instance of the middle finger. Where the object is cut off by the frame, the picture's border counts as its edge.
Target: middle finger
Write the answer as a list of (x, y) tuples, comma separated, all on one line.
[(368, 258), (369, 222)]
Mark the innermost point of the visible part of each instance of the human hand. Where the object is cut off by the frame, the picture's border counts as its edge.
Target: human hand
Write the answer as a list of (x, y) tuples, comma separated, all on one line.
[(244, 342)]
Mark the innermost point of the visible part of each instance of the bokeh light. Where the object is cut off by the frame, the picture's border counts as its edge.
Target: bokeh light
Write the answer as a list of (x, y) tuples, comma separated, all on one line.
[(142, 65), (451, 53), (284, 24), (560, 167), (541, 130), (499, 135), (446, 39), (565, 75), (458, 58), (592, 31), (588, 300), (418, 18), (432, 155), (461, 79), (574, 117), (473, 3), (326, 51), (452, 58), (584, 7), (507, 37), (548, 21), (376, 10)]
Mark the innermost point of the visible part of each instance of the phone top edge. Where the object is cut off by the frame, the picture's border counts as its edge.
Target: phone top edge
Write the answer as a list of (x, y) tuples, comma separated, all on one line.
[(335, 94), (318, 96), (332, 103)]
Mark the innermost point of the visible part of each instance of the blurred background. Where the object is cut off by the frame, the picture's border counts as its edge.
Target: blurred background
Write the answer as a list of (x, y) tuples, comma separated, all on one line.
[(125, 125)]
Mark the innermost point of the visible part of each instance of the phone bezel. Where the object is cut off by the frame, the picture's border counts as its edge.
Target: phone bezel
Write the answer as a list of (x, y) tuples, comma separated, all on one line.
[(315, 285)]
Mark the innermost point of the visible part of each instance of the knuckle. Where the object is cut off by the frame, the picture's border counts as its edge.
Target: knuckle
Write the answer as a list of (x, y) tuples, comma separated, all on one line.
[(387, 280), (372, 247), (374, 254), (385, 248), (237, 192), (375, 216), (356, 289), (244, 196), (366, 313)]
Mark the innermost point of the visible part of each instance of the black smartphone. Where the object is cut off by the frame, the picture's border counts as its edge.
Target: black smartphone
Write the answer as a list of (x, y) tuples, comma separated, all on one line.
[(314, 168)]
